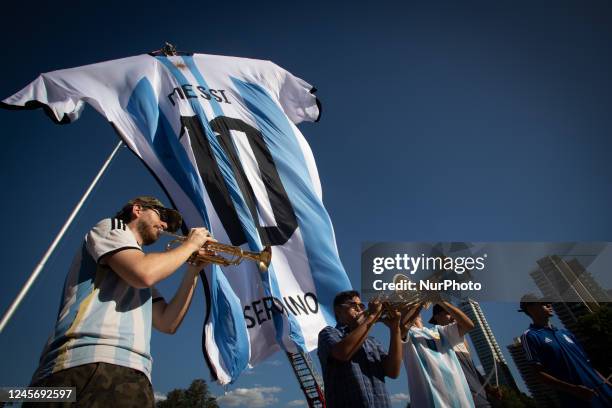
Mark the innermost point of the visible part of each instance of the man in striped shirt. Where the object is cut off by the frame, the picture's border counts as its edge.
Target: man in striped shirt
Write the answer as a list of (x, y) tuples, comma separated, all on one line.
[(100, 343)]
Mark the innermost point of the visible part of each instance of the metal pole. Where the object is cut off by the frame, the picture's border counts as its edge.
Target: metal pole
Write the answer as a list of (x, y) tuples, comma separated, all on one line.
[(496, 377), (26, 287)]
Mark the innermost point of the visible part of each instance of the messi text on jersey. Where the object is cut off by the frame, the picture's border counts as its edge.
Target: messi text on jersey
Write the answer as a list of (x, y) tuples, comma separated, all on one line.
[(188, 91)]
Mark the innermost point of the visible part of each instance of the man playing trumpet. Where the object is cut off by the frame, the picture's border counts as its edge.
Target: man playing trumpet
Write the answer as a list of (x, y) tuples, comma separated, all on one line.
[(100, 343), (354, 364)]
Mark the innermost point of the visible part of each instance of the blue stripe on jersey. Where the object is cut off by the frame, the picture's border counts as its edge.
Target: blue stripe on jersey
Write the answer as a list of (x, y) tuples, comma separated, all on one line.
[(466, 387), (447, 373), (217, 110), (125, 320), (165, 143), (229, 330), (152, 123), (416, 343), (269, 280), (425, 340), (328, 273), (216, 148), (148, 317), (85, 280), (97, 312)]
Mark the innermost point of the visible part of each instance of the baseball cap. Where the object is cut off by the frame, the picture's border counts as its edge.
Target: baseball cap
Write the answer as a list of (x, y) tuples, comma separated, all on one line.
[(528, 299), (168, 215), (436, 309)]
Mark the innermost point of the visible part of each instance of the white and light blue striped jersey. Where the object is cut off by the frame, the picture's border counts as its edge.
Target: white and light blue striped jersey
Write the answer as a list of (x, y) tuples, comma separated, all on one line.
[(435, 377), (101, 317), (219, 133)]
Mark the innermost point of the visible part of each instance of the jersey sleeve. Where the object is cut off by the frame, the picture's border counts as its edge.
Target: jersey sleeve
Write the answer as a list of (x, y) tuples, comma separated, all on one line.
[(328, 338), (62, 94), (108, 237), (450, 333), (296, 97), (531, 345), (58, 102)]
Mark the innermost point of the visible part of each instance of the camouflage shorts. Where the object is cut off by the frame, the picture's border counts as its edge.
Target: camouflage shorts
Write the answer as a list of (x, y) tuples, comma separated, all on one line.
[(101, 385)]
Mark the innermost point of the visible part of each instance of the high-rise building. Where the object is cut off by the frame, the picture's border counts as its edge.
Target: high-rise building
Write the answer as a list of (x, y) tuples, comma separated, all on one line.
[(572, 290), (543, 394), (487, 348)]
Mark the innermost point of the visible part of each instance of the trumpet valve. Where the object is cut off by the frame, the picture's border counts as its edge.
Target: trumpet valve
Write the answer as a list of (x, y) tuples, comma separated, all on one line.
[(264, 259)]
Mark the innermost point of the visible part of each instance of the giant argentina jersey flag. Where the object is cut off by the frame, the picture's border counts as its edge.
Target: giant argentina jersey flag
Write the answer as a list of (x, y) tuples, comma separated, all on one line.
[(220, 135)]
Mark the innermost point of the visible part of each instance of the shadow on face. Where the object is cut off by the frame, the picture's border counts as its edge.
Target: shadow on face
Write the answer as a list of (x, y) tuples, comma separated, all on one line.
[(350, 312), (540, 311), (444, 318)]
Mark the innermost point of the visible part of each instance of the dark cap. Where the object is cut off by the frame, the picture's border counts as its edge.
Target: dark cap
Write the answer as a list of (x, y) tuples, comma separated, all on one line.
[(168, 215), (436, 309), (527, 300)]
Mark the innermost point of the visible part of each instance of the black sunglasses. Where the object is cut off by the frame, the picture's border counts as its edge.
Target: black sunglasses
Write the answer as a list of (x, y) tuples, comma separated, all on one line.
[(159, 211), (355, 305)]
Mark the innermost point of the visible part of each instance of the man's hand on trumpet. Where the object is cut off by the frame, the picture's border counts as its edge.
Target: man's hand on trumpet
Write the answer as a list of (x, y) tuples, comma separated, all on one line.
[(197, 238), (408, 315), (391, 317), (374, 309), (382, 311)]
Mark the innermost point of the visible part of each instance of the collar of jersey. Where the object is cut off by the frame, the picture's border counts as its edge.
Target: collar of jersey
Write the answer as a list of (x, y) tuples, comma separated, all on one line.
[(551, 327)]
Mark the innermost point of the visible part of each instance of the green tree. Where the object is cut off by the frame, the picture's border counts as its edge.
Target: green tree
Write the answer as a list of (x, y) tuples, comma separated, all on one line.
[(597, 328), (197, 395), (512, 398)]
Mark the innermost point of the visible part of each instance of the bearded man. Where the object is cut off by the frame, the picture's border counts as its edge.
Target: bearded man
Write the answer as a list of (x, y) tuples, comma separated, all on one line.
[(100, 343)]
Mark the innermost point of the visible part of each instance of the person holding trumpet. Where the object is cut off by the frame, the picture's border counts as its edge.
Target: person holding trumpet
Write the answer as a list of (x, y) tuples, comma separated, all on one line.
[(100, 343), (354, 364)]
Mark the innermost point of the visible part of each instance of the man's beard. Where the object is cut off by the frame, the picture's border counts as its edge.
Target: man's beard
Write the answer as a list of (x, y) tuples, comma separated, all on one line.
[(147, 233)]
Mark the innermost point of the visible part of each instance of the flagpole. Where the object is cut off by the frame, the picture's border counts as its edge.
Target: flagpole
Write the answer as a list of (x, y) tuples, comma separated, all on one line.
[(26, 287)]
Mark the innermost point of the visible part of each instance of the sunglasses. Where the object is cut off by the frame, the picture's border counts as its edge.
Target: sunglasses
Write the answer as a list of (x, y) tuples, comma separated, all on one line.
[(159, 213), (354, 305)]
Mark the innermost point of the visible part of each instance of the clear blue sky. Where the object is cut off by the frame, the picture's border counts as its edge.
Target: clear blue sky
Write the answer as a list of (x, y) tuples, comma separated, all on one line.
[(479, 121)]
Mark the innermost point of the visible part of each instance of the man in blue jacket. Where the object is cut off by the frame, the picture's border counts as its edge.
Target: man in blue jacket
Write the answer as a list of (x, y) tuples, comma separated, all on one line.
[(560, 361)]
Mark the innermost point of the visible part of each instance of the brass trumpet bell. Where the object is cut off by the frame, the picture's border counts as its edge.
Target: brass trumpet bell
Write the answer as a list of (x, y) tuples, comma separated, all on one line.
[(401, 300), (234, 254)]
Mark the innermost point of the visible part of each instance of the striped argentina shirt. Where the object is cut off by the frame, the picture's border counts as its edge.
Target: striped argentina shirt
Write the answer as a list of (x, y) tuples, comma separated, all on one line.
[(435, 377), (101, 317)]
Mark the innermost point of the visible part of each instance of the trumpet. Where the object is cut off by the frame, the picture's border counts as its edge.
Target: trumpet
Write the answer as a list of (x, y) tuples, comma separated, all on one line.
[(235, 254), (402, 300)]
